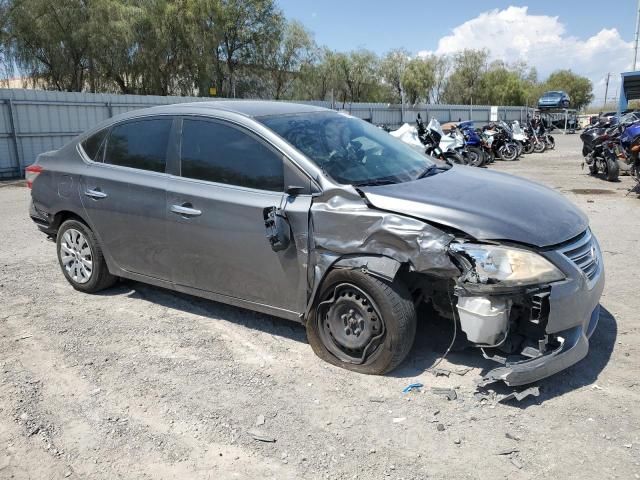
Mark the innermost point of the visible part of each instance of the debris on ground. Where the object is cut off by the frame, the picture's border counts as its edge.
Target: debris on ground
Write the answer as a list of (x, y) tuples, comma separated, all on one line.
[(261, 436), (440, 427), (511, 436), (441, 372), (413, 386), (519, 396), (450, 393), (508, 451), (399, 419), (259, 420)]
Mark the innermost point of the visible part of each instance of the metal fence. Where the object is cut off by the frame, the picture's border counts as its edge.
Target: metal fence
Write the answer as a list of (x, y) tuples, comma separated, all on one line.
[(35, 121)]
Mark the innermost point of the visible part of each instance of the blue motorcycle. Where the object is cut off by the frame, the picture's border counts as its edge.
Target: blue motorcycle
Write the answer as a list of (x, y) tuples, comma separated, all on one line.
[(473, 144), (630, 146)]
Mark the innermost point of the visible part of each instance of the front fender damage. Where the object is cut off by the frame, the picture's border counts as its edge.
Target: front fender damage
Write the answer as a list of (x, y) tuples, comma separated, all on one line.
[(346, 232)]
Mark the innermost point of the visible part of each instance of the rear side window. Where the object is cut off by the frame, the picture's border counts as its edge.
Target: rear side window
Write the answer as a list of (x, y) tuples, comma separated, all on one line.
[(224, 154), (92, 144), (139, 144)]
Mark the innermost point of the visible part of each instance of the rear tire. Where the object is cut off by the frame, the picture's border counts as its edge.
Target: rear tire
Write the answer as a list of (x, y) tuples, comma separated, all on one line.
[(384, 315), (81, 259), (613, 169)]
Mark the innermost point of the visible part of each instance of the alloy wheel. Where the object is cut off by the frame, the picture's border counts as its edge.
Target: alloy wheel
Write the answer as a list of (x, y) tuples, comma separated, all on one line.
[(76, 256)]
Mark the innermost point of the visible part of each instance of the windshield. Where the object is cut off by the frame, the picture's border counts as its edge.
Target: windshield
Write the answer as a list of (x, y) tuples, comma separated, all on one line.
[(552, 94), (350, 150)]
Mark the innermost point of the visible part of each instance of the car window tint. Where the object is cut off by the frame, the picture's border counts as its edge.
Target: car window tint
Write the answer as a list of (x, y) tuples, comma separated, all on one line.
[(92, 144), (220, 153), (140, 144)]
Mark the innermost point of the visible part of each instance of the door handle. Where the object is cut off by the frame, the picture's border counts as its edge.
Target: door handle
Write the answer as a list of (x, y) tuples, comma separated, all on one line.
[(186, 210), (95, 193)]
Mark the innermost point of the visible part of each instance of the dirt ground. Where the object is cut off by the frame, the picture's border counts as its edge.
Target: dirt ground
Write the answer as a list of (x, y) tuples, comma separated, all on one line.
[(140, 382)]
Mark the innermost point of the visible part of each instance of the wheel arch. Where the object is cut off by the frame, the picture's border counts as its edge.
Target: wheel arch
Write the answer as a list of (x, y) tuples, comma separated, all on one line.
[(381, 266)]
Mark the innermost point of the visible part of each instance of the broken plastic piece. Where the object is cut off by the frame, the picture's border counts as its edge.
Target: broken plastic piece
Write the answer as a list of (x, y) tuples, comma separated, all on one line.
[(450, 393), (413, 386), (519, 396)]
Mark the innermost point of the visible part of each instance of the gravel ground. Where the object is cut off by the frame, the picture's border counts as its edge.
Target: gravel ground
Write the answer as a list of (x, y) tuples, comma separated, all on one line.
[(140, 382)]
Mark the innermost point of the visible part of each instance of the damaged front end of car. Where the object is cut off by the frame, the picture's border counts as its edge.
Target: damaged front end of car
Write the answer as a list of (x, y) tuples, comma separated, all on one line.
[(530, 310)]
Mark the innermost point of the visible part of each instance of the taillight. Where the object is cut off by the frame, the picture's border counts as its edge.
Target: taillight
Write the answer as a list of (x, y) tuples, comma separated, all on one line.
[(31, 173)]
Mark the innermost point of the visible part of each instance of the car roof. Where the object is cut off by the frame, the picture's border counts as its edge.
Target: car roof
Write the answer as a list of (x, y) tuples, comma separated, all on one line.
[(250, 108)]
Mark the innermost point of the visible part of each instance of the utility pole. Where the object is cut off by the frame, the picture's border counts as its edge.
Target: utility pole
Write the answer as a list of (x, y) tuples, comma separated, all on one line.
[(635, 50), (606, 90)]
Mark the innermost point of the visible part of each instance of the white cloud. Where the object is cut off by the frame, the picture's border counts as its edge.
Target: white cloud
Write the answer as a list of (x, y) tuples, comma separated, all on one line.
[(513, 34)]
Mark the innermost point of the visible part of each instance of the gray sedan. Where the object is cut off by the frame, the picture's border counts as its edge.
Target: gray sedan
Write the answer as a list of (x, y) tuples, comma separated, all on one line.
[(318, 217)]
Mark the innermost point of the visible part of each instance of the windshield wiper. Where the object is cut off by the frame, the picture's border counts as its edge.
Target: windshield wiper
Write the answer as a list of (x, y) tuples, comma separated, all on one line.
[(430, 170), (373, 183)]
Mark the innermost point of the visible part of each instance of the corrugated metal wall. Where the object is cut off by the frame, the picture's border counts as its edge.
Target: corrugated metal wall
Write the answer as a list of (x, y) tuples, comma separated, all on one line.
[(35, 121)]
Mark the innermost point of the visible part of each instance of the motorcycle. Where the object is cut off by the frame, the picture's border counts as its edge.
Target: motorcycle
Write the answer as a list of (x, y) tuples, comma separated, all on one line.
[(473, 144), (502, 144), (538, 145), (432, 136), (599, 150), (520, 137)]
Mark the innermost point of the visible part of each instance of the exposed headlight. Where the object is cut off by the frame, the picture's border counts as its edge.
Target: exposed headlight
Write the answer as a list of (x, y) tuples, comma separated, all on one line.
[(507, 266)]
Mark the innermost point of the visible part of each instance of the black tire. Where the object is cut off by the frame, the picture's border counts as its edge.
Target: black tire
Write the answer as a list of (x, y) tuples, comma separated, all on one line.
[(475, 156), (585, 150), (508, 152), (550, 142), (540, 146), (593, 168), (100, 278), (528, 147), (390, 301), (613, 169), (454, 157)]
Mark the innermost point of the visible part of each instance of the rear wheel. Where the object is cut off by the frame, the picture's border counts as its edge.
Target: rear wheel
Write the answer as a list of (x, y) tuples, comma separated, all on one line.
[(528, 147), (362, 323), (612, 168), (81, 259)]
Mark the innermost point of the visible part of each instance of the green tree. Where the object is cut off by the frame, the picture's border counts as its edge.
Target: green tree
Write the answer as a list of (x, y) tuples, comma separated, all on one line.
[(464, 84), (284, 55), (392, 69), (418, 80)]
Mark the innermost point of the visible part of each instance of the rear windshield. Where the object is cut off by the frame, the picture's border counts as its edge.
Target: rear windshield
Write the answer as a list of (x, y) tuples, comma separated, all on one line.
[(348, 149)]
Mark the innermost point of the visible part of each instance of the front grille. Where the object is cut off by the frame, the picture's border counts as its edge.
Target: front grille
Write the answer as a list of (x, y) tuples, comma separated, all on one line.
[(584, 253)]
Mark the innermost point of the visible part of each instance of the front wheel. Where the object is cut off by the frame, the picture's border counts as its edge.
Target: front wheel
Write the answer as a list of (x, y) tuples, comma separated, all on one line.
[(475, 156), (550, 142), (508, 152), (81, 258), (454, 157), (362, 323), (539, 146)]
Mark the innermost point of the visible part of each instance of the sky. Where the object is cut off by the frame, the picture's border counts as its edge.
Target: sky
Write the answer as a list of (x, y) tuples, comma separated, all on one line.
[(590, 37)]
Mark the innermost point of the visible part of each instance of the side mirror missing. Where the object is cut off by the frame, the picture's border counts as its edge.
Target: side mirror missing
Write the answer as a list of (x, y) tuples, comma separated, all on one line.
[(294, 190), (277, 227)]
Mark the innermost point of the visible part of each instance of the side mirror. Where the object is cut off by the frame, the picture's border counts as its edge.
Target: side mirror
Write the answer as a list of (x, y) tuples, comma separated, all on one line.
[(277, 227)]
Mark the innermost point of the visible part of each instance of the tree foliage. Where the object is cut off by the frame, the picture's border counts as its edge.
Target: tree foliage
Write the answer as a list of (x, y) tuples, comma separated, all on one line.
[(243, 48)]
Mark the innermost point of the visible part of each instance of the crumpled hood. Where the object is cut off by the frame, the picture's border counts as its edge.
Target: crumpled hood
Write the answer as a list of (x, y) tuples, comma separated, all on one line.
[(487, 205)]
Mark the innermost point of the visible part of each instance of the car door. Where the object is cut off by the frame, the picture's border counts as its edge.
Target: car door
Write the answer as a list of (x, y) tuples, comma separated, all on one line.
[(216, 225), (124, 195)]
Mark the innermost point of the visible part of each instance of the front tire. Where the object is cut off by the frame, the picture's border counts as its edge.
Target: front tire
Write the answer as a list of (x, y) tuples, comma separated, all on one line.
[(81, 259), (362, 323)]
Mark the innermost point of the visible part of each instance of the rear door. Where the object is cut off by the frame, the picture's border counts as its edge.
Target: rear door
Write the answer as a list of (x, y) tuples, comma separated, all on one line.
[(124, 195), (216, 230)]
